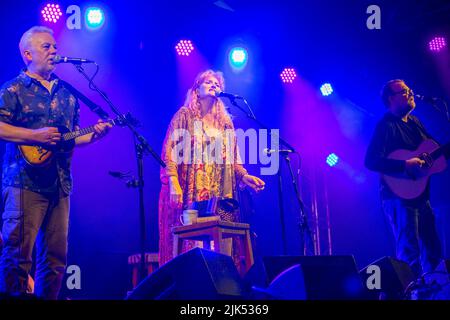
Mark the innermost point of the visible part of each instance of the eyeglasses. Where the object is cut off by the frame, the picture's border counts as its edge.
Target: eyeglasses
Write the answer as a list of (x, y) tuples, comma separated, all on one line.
[(404, 91)]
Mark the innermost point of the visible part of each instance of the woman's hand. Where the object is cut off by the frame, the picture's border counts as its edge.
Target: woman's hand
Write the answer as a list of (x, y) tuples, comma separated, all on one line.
[(253, 182), (176, 194)]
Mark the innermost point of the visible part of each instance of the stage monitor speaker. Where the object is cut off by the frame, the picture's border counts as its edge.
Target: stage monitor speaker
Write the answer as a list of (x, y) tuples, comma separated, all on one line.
[(395, 276), (307, 278), (195, 275)]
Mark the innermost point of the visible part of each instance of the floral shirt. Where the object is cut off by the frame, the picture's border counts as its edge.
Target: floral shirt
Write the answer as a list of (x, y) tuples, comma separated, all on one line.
[(25, 102)]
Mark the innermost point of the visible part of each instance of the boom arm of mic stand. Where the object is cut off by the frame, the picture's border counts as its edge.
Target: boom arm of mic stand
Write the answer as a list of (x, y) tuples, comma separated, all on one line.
[(138, 136), (251, 115), (446, 110)]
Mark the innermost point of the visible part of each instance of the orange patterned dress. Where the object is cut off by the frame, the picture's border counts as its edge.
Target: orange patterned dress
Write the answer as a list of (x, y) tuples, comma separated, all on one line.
[(201, 178)]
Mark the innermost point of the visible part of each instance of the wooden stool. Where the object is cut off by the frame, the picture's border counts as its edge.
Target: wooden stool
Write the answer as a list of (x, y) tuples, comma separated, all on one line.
[(151, 263), (215, 231)]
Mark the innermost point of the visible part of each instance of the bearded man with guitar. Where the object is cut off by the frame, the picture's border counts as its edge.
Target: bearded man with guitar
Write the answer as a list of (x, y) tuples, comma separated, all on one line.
[(406, 155), (36, 198)]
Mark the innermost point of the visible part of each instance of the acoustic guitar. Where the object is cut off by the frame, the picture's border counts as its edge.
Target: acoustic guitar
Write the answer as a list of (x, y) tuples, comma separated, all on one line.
[(39, 156), (412, 185)]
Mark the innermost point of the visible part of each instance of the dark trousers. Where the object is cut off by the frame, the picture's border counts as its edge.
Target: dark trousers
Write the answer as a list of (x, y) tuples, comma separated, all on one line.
[(30, 218), (417, 241)]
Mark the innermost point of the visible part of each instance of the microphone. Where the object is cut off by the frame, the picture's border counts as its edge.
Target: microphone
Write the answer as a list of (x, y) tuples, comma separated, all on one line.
[(116, 174), (62, 59), (227, 95), (283, 151), (426, 98)]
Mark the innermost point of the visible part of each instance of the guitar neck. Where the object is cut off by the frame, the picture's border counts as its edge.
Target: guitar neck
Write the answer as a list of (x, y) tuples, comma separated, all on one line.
[(443, 150), (82, 132)]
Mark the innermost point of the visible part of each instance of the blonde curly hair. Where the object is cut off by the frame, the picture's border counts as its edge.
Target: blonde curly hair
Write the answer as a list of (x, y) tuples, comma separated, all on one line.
[(221, 117)]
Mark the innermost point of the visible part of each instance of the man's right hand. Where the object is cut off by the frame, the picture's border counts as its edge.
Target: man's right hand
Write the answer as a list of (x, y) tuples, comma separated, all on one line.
[(176, 193), (46, 136), (413, 165)]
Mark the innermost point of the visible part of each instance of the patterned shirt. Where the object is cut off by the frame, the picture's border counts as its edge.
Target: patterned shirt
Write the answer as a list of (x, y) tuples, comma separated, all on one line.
[(199, 180), (25, 102)]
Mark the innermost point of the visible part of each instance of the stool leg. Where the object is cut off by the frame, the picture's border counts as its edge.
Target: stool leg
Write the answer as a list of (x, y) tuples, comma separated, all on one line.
[(248, 250), (217, 239), (207, 244), (135, 277), (177, 245)]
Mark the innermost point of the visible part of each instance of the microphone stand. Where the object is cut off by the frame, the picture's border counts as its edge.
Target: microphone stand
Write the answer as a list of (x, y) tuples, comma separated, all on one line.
[(281, 207), (141, 147), (445, 111), (307, 241), (433, 103), (306, 238)]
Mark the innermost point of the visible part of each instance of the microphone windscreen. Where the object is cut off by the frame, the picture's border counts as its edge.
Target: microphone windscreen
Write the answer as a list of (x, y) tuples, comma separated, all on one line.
[(58, 59)]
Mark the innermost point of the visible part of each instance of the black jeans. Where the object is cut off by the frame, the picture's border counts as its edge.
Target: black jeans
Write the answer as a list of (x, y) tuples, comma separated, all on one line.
[(417, 241), (30, 218)]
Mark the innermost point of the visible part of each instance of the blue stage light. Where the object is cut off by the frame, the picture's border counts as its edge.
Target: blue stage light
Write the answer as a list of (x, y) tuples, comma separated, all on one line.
[(332, 160), (326, 89), (95, 17), (238, 58)]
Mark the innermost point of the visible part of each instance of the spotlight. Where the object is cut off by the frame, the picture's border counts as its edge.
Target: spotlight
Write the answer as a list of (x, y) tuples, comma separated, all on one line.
[(332, 159), (95, 18), (184, 47), (288, 75), (437, 44), (326, 89), (51, 13), (238, 58)]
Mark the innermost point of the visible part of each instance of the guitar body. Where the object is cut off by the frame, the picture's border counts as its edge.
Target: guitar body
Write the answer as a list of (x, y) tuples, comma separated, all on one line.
[(39, 156), (410, 187)]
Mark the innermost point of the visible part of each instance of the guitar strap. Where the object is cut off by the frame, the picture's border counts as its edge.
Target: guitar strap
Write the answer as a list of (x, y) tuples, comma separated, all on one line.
[(90, 104)]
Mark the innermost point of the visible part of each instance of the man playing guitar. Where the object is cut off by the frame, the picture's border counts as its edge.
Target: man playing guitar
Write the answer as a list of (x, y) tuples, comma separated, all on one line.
[(391, 152), (36, 199)]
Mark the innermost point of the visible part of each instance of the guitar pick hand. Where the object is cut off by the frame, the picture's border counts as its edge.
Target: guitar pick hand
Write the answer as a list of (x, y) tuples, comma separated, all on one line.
[(413, 166), (46, 136)]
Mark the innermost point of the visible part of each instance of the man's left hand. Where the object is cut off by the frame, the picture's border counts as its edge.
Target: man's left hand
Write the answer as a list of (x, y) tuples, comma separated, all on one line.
[(101, 129)]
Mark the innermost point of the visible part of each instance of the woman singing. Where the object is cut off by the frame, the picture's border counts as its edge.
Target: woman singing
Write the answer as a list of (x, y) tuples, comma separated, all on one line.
[(201, 155)]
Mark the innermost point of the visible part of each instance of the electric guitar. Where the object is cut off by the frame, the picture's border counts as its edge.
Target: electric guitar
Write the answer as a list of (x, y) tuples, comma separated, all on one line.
[(39, 156), (412, 185)]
